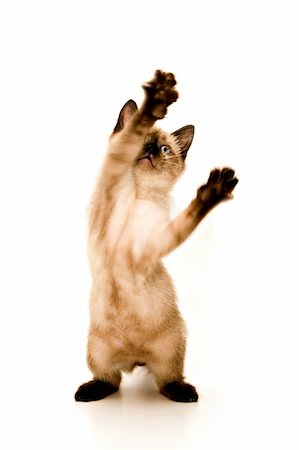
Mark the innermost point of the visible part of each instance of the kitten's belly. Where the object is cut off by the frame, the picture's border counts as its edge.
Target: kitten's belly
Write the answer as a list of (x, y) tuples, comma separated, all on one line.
[(130, 313), (121, 340), (127, 314), (123, 348)]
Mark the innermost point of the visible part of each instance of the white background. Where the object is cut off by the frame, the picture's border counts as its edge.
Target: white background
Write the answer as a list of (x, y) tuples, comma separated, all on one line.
[(66, 70)]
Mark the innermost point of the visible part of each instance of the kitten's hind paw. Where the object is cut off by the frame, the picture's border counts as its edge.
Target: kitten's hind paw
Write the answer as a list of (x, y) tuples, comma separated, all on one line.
[(178, 391), (94, 390), (160, 93)]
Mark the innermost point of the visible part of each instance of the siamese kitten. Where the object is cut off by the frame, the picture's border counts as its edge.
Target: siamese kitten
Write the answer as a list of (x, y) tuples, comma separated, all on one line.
[(134, 318)]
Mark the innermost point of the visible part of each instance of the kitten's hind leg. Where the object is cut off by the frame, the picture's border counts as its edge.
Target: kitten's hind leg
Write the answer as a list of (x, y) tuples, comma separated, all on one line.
[(179, 391), (168, 373), (172, 384), (94, 390), (106, 378), (100, 387)]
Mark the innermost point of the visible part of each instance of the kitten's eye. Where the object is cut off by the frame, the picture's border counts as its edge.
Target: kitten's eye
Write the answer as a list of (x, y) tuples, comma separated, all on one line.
[(165, 149)]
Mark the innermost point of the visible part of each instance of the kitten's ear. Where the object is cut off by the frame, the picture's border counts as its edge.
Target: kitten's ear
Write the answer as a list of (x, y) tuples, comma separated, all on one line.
[(125, 115), (184, 137)]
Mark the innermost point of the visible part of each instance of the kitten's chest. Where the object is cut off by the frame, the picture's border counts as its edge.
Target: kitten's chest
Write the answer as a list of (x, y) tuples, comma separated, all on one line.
[(133, 224)]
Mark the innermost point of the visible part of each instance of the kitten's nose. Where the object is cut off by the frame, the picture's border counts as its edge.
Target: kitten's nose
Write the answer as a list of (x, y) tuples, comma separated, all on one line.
[(151, 149)]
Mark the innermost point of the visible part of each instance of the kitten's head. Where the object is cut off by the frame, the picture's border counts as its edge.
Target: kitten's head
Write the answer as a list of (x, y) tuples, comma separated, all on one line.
[(162, 158)]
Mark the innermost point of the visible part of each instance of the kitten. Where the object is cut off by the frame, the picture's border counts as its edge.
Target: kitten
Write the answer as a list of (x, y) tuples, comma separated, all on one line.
[(134, 318)]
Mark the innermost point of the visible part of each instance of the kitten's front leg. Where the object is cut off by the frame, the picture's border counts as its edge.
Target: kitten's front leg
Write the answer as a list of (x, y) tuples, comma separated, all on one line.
[(160, 92), (218, 188)]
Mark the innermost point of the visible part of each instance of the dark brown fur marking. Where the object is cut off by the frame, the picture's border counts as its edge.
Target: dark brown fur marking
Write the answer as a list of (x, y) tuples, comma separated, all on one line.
[(94, 390), (219, 187), (179, 391)]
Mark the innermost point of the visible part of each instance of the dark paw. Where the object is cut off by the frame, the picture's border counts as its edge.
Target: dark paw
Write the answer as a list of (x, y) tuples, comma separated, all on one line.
[(94, 390), (160, 93), (179, 391), (220, 186)]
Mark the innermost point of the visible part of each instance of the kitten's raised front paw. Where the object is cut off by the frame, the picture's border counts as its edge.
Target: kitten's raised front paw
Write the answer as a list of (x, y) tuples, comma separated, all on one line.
[(178, 391), (94, 390), (160, 93), (219, 187)]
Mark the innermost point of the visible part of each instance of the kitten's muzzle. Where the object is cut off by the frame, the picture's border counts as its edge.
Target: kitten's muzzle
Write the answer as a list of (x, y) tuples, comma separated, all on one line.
[(151, 150), (147, 156)]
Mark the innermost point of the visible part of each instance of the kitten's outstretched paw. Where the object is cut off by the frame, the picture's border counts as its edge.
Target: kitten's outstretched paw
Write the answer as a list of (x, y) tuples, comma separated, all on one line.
[(219, 187), (178, 391), (94, 390), (160, 93)]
